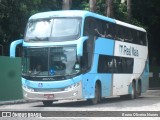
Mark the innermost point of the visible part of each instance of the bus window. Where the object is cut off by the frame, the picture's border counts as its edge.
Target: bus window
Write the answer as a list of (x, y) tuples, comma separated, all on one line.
[(55, 29), (108, 30), (130, 38), (38, 29), (99, 28), (118, 66), (89, 27), (119, 33), (88, 48), (129, 62), (105, 64), (102, 64), (142, 37), (111, 64), (104, 29), (71, 27), (126, 35), (112, 30)]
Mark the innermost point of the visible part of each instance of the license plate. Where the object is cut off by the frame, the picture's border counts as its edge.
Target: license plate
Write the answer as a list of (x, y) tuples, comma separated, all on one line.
[(49, 96)]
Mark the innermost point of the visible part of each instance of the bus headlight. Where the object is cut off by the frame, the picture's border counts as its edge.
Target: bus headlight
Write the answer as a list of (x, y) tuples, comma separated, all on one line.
[(72, 87), (29, 89)]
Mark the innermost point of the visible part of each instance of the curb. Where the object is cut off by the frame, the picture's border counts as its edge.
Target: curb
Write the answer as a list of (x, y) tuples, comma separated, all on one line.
[(154, 88), (15, 101)]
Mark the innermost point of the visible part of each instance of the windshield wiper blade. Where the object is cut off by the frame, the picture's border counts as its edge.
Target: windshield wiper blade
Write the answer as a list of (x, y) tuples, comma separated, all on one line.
[(42, 39), (39, 39), (33, 74), (68, 75)]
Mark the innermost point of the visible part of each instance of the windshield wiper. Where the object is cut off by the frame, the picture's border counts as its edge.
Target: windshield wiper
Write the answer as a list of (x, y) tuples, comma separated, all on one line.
[(39, 39), (31, 74), (42, 39), (68, 75)]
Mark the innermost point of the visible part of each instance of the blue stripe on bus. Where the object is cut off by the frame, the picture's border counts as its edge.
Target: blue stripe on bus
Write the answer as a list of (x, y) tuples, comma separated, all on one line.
[(106, 82), (48, 44), (89, 81), (104, 46), (49, 84), (145, 78)]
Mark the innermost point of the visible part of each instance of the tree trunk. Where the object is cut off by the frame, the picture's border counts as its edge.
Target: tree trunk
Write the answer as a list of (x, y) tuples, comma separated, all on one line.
[(109, 8), (66, 4), (123, 1), (92, 5), (129, 10)]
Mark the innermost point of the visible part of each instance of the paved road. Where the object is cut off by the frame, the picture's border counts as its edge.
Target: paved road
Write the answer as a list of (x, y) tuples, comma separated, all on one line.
[(146, 105)]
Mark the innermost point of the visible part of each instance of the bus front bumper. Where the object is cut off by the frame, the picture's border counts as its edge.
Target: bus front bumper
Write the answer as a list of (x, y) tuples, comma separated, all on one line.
[(69, 93)]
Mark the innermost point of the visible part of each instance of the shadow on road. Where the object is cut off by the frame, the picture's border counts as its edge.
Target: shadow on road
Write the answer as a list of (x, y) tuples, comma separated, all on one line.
[(149, 98), (104, 102)]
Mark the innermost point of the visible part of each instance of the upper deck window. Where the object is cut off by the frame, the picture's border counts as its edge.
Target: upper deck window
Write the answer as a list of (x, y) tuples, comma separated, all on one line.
[(55, 29)]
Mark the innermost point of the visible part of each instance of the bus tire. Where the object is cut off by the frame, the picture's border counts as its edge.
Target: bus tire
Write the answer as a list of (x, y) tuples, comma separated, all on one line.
[(139, 90), (133, 91), (97, 97), (47, 102)]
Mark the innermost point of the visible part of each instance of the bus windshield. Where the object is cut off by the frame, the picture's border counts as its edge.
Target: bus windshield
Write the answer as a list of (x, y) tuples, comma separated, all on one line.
[(53, 61), (55, 29)]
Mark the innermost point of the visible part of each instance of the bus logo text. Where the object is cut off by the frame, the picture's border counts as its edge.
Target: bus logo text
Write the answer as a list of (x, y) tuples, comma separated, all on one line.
[(130, 51)]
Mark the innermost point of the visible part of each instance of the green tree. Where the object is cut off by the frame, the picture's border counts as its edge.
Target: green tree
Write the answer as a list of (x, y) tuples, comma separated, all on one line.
[(147, 12), (15, 13)]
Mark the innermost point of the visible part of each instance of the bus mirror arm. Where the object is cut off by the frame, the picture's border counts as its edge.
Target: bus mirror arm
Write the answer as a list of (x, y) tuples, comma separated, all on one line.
[(80, 61), (13, 47), (79, 58)]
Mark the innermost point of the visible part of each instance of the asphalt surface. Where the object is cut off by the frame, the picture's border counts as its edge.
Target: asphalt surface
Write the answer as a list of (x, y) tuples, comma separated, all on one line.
[(146, 107)]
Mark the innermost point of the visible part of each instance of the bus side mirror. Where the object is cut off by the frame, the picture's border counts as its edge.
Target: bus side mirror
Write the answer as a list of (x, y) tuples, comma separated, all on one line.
[(13, 47)]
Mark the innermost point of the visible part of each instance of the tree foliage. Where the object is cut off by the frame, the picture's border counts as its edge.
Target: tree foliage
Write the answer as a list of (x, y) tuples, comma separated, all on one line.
[(15, 13)]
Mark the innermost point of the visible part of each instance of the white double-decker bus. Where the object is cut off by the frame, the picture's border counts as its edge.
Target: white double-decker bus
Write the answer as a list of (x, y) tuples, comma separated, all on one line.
[(82, 55)]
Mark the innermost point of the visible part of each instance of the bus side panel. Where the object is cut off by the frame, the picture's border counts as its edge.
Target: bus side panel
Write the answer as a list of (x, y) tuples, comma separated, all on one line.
[(107, 84), (121, 83), (145, 78), (88, 85), (89, 81), (139, 54), (104, 46)]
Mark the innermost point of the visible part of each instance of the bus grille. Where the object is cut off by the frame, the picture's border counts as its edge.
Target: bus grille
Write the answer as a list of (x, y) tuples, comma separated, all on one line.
[(47, 90)]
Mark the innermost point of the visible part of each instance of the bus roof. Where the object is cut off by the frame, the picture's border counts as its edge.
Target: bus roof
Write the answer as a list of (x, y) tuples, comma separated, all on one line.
[(83, 14), (130, 25), (62, 13)]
